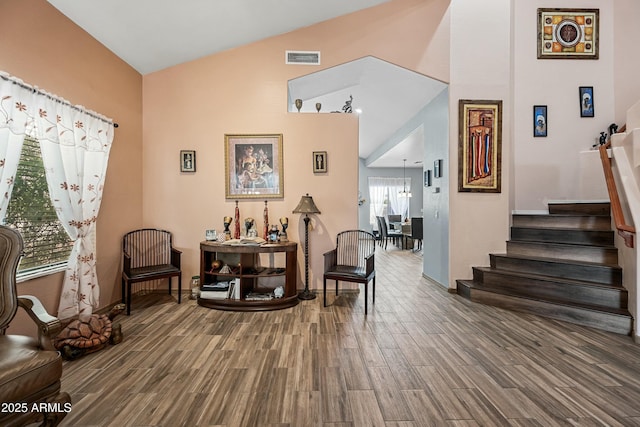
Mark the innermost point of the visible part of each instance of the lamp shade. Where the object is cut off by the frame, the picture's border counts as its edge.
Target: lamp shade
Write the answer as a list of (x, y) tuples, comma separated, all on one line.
[(306, 206)]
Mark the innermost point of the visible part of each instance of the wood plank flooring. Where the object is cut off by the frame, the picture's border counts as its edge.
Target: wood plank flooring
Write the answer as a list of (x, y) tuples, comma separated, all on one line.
[(422, 357)]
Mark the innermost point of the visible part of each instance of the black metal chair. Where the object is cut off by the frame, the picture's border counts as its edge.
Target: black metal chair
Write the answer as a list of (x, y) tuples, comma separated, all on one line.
[(351, 261), (386, 233), (416, 231), (394, 219), (148, 254)]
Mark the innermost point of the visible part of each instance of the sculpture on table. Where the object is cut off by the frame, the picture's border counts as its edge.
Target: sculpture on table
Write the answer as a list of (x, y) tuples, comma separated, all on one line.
[(227, 222), (248, 227), (284, 221)]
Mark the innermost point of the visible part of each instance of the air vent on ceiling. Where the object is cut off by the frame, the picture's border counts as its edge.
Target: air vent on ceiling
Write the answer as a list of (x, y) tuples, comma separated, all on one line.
[(302, 57)]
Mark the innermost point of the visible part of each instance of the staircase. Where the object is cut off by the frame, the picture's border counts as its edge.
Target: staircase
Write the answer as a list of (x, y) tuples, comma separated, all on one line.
[(563, 265)]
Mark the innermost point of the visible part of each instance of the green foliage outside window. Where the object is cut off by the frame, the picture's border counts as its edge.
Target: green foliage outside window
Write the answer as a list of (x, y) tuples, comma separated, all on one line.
[(30, 211)]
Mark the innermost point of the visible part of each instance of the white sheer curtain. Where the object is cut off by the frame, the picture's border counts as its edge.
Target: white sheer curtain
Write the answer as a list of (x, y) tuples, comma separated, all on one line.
[(384, 193), (399, 205), (15, 121), (75, 146), (377, 198)]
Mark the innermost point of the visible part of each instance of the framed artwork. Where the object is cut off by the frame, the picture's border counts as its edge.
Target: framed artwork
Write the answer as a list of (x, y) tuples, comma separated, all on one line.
[(586, 101), (427, 178), (253, 166), (568, 33), (187, 161), (480, 146), (319, 161), (539, 121), (437, 168)]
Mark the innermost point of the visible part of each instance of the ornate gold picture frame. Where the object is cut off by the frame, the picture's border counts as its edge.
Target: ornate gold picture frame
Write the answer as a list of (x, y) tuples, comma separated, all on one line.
[(480, 146), (568, 33), (254, 167)]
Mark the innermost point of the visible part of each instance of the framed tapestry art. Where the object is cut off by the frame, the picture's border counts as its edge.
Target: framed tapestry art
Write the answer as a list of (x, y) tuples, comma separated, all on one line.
[(480, 146), (586, 101), (539, 120), (187, 161), (319, 161), (253, 166), (568, 33)]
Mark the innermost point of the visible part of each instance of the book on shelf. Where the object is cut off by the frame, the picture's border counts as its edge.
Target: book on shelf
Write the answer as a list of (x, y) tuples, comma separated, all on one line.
[(213, 294), (216, 286), (234, 289), (246, 241)]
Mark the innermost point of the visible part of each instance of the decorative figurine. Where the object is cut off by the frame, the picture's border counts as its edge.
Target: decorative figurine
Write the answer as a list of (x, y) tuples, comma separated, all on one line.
[(318, 106), (274, 233), (613, 128), (298, 104), (284, 221), (227, 223), (347, 106), (603, 138), (236, 231), (265, 217), (248, 225)]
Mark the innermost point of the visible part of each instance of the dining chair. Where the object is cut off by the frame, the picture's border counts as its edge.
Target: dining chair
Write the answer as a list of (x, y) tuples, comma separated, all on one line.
[(416, 231), (352, 260), (386, 233)]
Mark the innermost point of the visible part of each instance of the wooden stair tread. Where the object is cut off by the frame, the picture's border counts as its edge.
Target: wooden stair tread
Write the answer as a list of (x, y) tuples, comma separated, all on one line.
[(559, 261), (589, 307), (548, 278)]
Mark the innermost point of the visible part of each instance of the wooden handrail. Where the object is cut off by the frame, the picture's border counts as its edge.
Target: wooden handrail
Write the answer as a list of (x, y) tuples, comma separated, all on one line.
[(624, 230)]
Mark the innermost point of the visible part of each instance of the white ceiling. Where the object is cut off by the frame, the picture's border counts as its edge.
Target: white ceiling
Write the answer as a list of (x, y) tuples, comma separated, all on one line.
[(151, 35)]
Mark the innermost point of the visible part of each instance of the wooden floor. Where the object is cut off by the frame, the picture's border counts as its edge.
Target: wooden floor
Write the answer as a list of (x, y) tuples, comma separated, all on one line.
[(421, 357)]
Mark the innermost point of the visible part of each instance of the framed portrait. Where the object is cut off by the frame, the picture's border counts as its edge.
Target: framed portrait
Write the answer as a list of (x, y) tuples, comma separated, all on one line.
[(539, 121), (187, 161), (437, 168), (319, 161), (253, 166), (568, 33), (586, 101), (427, 178), (480, 146)]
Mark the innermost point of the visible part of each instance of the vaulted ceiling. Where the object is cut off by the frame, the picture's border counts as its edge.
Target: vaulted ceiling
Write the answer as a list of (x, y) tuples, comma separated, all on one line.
[(151, 35)]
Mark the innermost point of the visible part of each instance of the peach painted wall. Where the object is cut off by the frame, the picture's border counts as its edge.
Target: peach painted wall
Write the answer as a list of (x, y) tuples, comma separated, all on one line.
[(244, 90), (42, 47)]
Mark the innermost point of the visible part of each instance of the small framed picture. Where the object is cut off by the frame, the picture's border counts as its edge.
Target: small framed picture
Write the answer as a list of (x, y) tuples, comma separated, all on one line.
[(586, 101), (187, 161), (539, 121), (319, 161), (427, 178), (437, 168)]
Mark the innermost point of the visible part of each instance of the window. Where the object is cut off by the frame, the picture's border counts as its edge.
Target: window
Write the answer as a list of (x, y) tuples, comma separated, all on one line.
[(47, 244), (384, 194)]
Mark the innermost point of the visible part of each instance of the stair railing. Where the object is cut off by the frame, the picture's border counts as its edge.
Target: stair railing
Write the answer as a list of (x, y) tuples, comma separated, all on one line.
[(625, 230)]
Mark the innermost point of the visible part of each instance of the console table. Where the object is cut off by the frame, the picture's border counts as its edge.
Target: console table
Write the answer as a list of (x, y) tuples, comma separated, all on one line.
[(257, 282)]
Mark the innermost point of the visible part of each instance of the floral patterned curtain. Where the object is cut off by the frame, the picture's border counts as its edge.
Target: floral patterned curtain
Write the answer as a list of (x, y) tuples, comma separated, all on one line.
[(75, 146)]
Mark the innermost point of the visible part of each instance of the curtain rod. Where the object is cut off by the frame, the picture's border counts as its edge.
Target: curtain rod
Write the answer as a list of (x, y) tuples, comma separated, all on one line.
[(55, 98)]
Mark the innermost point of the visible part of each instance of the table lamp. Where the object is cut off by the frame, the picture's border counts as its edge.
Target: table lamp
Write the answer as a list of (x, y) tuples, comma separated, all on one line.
[(306, 206)]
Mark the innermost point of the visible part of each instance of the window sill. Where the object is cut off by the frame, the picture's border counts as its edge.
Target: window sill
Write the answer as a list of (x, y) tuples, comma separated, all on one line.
[(40, 272)]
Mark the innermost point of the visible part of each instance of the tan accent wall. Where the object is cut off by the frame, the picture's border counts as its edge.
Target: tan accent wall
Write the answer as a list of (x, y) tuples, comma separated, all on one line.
[(42, 47)]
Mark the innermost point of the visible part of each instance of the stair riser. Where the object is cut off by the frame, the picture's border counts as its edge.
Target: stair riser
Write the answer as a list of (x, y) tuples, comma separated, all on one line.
[(555, 291), (580, 208), (595, 273), (578, 222), (602, 255), (600, 320), (583, 237)]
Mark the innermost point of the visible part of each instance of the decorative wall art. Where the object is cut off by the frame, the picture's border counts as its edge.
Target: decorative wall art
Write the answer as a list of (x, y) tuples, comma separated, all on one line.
[(437, 168), (187, 161), (586, 101), (480, 146), (253, 166), (568, 33), (539, 121), (427, 178), (319, 161)]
